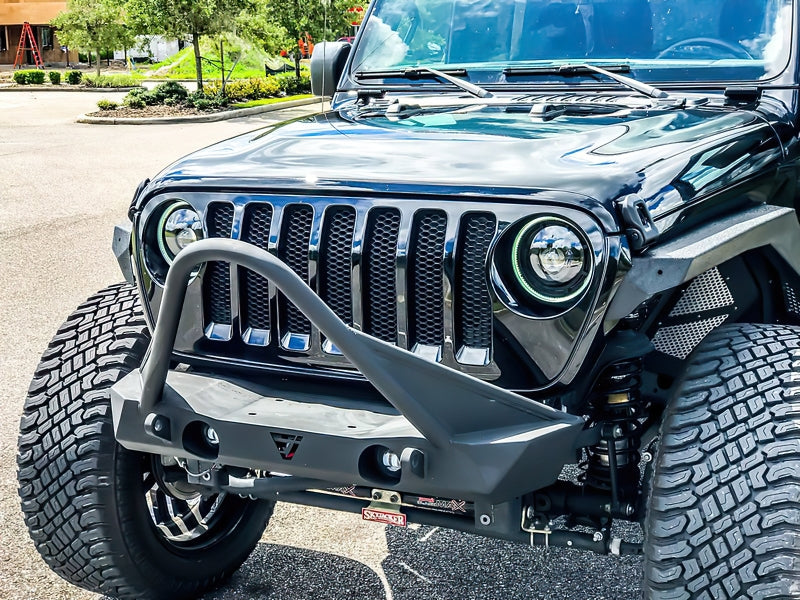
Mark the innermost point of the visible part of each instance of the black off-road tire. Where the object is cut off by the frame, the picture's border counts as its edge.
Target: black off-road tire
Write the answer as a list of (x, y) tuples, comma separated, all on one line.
[(724, 512), (83, 495)]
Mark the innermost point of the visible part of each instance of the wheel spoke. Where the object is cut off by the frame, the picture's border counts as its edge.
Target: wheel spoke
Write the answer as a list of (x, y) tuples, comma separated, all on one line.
[(180, 520)]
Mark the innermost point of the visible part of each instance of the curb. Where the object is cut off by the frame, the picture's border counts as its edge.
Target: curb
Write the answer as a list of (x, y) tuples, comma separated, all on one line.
[(47, 88), (210, 118)]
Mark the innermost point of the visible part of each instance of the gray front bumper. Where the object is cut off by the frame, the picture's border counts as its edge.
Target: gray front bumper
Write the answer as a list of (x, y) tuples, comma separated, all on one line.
[(458, 436)]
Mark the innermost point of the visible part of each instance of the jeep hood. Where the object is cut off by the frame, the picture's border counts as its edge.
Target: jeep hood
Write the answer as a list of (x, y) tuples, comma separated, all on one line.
[(668, 156)]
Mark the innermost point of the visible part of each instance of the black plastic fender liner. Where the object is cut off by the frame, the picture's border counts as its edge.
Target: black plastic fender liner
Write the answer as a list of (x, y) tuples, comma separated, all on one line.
[(503, 441)]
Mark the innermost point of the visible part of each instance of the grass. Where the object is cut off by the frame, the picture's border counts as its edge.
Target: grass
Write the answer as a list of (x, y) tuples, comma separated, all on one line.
[(264, 101), (181, 65)]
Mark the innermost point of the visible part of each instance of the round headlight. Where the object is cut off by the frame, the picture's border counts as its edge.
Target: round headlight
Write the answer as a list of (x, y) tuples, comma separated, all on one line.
[(179, 226), (551, 260)]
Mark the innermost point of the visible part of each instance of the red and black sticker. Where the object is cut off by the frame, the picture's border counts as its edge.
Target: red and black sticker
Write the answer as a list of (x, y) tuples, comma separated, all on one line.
[(384, 516), (453, 506)]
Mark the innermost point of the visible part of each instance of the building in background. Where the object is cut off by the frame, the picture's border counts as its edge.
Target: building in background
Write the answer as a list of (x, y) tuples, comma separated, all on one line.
[(151, 48), (39, 13)]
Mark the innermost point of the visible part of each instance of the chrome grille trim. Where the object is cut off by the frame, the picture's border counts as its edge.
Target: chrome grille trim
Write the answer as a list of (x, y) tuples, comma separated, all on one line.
[(217, 302), (411, 249)]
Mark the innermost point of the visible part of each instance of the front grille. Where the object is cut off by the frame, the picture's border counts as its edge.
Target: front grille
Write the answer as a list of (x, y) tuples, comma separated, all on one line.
[(426, 274), (414, 278), (474, 325), (380, 282), (217, 300), (255, 289), (293, 250), (335, 269)]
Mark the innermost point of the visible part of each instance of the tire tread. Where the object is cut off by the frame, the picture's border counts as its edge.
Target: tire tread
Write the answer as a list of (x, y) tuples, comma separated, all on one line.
[(724, 515), (68, 459)]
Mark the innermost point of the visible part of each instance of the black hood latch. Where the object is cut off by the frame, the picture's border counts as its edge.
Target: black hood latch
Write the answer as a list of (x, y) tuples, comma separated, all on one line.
[(640, 227)]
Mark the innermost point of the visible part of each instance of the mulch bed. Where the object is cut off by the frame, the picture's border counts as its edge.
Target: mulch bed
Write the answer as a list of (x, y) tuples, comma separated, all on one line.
[(153, 111)]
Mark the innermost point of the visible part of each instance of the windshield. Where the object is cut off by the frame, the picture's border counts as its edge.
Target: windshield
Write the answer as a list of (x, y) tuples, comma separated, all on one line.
[(661, 40)]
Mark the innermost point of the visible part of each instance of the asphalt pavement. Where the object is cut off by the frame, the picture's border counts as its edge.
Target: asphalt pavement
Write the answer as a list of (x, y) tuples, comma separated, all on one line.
[(63, 186)]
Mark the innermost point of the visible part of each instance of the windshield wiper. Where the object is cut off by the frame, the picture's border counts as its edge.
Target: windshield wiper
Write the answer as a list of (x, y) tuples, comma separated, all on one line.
[(450, 75), (610, 71)]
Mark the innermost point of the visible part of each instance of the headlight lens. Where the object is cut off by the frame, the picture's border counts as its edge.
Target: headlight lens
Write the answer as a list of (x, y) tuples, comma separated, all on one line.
[(179, 226), (551, 260)]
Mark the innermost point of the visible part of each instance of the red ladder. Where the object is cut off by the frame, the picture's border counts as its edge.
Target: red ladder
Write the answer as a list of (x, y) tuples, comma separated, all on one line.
[(27, 32)]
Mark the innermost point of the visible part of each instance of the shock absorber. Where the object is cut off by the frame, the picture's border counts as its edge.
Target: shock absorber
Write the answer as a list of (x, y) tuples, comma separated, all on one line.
[(618, 408)]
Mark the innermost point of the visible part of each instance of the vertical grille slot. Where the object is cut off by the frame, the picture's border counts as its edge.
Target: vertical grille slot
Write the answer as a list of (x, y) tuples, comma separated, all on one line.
[(217, 279), (473, 303), (335, 277), (255, 311), (426, 276), (379, 281), (293, 250)]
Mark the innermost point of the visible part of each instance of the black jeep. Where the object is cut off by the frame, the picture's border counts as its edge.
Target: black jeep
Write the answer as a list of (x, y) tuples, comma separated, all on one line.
[(528, 235)]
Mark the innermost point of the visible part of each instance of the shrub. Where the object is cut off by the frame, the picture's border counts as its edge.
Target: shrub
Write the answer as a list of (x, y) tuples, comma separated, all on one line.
[(202, 101), (212, 88), (109, 81), (55, 77), (107, 104), (291, 85), (135, 98), (246, 89), (171, 90), (73, 77), (203, 104), (30, 76), (146, 97), (268, 87), (240, 89)]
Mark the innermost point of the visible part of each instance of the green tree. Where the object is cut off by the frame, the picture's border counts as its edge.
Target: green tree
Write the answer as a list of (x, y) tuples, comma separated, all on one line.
[(279, 24), (93, 25), (177, 18), (258, 26)]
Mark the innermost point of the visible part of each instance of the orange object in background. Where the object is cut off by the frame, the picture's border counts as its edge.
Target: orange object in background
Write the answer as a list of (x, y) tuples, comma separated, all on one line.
[(306, 45), (27, 43)]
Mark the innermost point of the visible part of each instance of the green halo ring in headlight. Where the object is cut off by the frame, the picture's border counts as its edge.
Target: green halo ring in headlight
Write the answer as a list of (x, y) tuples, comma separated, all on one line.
[(549, 292), (167, 252)]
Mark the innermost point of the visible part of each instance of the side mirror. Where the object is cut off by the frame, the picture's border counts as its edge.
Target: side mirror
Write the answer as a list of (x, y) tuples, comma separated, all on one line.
[(327, 66)]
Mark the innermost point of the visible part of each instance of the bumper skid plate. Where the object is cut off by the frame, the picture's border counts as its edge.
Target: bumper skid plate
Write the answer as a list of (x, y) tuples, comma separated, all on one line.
[(456, 436)]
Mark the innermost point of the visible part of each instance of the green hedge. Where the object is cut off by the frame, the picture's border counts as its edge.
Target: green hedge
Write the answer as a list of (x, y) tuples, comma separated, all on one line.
[(256, 88), (73, 77), (55, 77), (110, 81), (29, 77)]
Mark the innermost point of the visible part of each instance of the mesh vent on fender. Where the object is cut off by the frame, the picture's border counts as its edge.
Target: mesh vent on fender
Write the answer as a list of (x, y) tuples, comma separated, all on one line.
[(702, 306)]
